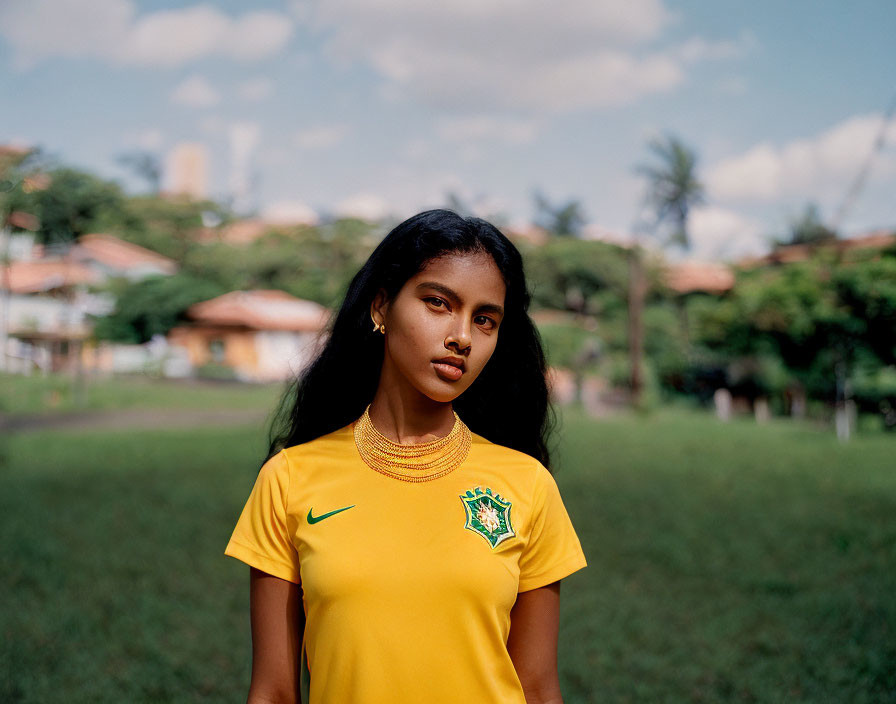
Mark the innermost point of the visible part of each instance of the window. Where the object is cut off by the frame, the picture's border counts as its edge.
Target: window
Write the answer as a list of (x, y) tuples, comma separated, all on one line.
[(216, 350)]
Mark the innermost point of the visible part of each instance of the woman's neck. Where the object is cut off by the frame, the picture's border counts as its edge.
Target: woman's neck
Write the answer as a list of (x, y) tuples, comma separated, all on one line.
[(410, 418)]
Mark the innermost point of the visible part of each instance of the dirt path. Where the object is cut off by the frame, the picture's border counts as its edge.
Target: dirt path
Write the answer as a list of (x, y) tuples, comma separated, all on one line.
[(130, 419)]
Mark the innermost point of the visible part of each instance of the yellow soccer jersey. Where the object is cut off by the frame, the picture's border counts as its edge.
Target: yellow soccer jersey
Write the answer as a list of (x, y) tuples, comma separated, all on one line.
[(407, 586)]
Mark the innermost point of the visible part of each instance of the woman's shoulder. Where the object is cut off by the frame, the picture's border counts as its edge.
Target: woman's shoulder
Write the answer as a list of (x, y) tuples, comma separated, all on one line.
[(329, 445), (507, 457)]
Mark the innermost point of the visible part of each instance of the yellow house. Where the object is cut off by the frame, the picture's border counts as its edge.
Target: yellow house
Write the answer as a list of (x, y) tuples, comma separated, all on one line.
[(262, 335)]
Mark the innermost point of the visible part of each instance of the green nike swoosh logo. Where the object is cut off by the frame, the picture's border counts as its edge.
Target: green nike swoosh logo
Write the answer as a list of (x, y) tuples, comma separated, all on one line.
[(315, 519)]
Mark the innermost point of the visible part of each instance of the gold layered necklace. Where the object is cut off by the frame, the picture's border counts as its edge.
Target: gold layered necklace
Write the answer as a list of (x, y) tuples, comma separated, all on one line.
[(412, 463)]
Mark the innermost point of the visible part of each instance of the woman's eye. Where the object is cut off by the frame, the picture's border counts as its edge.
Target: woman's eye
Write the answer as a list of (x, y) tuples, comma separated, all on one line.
[(479, 319)]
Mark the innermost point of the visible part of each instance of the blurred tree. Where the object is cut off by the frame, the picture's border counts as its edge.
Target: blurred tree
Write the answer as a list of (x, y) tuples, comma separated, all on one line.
[(808, 228), (585, 277), (15, 164), (824, 320), (168, 225), (314, 263), (146, 166), (151, 306), (59, 204), (19, 177), (567, 273), (456, 203), (477, 206), (72, 204), (565, 220), (672, 190), (868, 291)]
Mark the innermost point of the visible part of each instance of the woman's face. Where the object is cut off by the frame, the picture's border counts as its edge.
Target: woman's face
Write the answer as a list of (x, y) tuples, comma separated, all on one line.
[(453, 309)]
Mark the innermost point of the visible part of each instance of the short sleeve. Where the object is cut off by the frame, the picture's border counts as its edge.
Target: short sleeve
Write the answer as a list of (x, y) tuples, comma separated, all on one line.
[(261, 538), (552, 550)]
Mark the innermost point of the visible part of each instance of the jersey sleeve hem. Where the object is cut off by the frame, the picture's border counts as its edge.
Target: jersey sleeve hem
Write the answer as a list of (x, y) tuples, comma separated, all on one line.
[(262, 562), (557, 572)]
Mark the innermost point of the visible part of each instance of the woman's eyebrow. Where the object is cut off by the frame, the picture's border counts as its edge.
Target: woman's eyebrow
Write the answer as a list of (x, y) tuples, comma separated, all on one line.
[(450, 293)]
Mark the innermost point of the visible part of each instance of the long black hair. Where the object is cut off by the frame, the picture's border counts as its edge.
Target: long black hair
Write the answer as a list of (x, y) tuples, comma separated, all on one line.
[(507, 404)]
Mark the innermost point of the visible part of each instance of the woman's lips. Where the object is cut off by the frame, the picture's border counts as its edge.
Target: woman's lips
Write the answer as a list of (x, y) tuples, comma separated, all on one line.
[(447, 371)]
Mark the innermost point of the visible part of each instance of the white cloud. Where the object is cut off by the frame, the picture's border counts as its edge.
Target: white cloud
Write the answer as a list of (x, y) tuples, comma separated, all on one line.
[(174, 37), (213, 125), (149, 139), (497, 23), (487, 54), (593, 231), (255, 89), (39, 28), (719, 233), (700, 49), (400, 190), (289, 212), (256, 35), (195, 91), (365, 206), (819, 168), (485, 127), (321, 137), (113, 30)]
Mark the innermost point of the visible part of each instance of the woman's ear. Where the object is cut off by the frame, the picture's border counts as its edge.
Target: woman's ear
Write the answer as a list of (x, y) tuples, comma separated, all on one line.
[(379, 307)]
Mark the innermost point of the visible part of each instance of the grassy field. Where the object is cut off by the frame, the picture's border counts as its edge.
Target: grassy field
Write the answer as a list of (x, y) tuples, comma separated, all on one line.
[(727, 563), (57, 394)]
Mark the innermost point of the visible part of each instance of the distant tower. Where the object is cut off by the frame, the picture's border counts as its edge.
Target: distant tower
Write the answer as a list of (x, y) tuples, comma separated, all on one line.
[(244, 138), (187, 170)]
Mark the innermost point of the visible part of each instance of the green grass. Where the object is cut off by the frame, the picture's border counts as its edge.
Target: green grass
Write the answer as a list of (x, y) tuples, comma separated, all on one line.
[(116, 587), (735, 563), (727, 563), (57, 393)]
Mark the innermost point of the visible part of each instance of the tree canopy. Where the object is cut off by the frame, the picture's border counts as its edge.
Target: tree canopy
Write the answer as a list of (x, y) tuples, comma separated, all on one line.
[(672, 186), (152, 306)]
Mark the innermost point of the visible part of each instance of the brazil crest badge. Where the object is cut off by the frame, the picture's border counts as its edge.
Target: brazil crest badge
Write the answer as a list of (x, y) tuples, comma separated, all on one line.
[(488, 515)]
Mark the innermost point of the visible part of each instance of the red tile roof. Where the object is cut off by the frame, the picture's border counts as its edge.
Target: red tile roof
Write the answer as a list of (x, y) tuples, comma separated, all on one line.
[(23, 220), (690, 276), (261, 310), (240, 232), (12, 150), (879, 239), (45, 275), (118, 254)]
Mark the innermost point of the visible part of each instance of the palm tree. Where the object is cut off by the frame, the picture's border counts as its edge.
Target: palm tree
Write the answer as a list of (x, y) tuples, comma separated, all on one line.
[(672, 190), (672, 187), (808, 228), (562, 220)]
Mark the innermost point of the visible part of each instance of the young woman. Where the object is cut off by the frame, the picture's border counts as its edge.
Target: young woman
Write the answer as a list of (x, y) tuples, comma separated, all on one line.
[(405, 538)]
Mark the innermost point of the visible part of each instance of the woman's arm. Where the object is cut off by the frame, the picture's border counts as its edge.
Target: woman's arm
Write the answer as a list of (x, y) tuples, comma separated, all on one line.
[(278, 621), (534, 622)]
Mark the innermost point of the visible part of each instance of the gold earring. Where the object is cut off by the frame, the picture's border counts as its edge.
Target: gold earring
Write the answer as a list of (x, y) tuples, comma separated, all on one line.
[(383, 328)]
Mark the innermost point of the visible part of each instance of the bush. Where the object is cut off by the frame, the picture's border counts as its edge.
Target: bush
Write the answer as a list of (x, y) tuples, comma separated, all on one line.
[(216, 372)]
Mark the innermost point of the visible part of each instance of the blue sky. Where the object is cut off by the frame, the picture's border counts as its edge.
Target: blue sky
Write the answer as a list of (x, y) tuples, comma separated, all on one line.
[(347, 106)]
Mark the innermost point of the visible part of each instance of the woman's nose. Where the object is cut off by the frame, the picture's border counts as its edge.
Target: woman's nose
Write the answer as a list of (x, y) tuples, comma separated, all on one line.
[(460, 336)]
